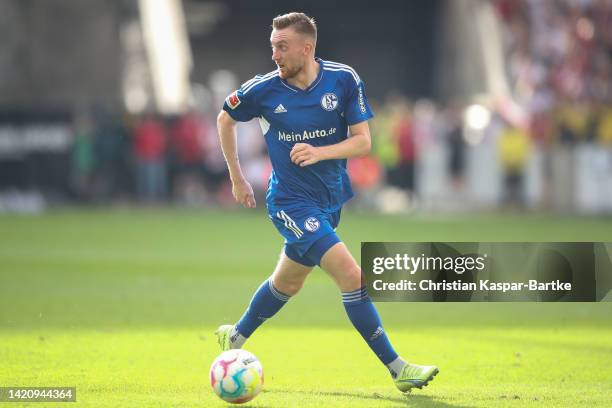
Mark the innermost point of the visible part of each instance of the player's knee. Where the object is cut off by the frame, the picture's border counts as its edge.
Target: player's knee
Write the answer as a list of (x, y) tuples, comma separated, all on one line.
[(293, 287), (287, 286), (352, 278)]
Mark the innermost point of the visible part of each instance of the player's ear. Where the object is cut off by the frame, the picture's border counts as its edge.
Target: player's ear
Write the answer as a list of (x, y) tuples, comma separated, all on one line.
[(308, 47)]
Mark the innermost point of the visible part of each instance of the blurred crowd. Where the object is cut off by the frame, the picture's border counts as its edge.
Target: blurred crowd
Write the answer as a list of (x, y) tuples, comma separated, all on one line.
[(558, 62), (149, 157), (558, 55), (546, 143), (156, 159)]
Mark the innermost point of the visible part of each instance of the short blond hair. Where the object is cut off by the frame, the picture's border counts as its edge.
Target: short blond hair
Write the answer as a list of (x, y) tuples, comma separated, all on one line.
[(300, 22)]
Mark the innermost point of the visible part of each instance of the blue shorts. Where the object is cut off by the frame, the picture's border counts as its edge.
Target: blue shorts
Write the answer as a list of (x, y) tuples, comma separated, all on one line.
[(308, 231)]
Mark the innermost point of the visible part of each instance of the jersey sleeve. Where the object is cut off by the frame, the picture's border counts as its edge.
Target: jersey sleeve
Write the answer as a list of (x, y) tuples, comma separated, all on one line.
[(357, 108), (240, 106)]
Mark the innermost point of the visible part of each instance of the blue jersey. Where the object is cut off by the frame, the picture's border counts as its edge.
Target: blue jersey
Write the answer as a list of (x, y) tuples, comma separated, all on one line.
[(319, 115)]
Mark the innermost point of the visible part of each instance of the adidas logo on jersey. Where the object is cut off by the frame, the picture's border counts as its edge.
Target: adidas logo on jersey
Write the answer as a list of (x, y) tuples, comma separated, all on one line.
[(280, 109)]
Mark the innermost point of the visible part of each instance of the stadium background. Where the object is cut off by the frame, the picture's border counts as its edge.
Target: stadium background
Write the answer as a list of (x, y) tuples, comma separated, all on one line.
[(121, 243)]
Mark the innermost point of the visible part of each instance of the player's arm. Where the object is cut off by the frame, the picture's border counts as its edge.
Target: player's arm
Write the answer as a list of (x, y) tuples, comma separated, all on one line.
[(241, 188), (358, 144)]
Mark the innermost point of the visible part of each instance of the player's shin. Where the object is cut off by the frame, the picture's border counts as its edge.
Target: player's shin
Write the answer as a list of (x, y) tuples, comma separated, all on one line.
[(266, 301), (364, 316)]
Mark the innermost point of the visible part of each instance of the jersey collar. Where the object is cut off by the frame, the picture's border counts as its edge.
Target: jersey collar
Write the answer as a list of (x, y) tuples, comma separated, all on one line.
[(311, 86)]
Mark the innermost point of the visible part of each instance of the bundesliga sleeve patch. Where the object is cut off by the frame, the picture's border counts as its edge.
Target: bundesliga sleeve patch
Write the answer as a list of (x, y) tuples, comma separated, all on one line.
[(232, 100)]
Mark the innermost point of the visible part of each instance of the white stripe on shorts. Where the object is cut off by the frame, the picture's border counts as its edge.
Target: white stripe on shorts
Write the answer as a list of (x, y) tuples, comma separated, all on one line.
[(289, 223)]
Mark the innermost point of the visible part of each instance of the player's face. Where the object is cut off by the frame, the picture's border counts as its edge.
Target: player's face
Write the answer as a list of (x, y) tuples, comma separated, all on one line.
[(289, 51)]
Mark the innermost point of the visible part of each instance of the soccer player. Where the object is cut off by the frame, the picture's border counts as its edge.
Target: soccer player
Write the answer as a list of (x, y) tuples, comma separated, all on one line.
[(307, 108)]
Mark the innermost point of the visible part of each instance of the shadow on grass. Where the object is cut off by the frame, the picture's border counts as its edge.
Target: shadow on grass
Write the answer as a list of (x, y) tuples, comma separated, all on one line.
[(408, 400)]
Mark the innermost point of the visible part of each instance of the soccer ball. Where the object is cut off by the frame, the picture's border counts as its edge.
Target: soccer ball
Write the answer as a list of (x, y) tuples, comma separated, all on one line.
[(236, 376)]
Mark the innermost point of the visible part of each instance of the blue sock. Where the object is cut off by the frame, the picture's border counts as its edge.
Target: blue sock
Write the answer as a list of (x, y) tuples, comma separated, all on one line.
[(363, 315), (266, 301)]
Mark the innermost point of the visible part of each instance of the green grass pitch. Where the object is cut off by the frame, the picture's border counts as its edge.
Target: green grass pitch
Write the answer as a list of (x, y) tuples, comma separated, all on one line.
[(122, 304)]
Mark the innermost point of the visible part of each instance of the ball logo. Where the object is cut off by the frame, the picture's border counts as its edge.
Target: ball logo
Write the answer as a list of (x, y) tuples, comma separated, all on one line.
[(311, 224), (329, 101)]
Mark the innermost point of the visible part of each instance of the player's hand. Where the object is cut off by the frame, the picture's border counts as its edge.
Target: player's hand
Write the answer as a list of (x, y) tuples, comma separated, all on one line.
[(243, 193), (304, 154)]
